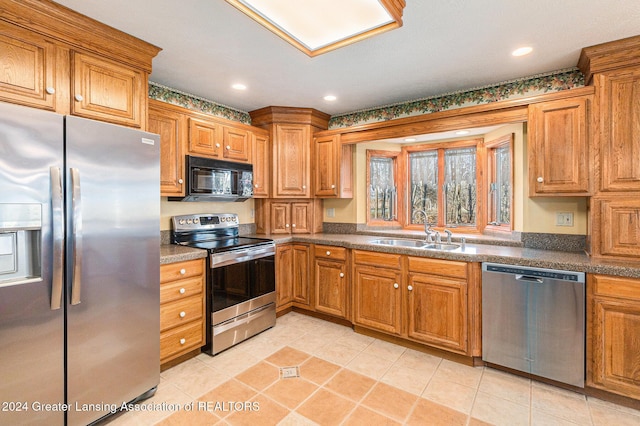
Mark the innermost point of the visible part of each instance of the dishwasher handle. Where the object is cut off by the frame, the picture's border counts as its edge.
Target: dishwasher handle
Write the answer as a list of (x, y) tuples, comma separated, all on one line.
[(529, 279)]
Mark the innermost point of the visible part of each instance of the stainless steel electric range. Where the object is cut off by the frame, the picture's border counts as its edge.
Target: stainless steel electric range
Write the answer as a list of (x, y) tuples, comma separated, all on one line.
[(240, 277)]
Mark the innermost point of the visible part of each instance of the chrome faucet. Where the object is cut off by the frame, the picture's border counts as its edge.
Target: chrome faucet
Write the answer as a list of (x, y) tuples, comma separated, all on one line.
[(427, 225), (446, 231), (438, 237)]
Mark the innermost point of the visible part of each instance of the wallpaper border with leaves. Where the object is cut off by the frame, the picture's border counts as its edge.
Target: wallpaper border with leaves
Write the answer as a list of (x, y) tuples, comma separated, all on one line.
[(527, 86)]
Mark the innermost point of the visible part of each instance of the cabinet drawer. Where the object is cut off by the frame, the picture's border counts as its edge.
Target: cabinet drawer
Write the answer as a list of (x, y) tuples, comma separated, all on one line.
[(180, 289), (377, 259), (619, 287), (180, 270), (180, 312), (447, 268), (330, 252), (181, 339)]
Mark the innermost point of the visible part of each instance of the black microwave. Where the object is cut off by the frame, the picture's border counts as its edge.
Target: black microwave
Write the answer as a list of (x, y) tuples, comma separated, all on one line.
[(216, 180)]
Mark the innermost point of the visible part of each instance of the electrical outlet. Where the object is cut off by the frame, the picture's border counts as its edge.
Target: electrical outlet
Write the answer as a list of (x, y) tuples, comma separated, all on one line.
[(331, 212), (564, 219)]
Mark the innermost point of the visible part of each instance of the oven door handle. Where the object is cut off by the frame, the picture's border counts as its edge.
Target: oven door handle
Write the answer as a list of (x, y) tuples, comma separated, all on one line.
[(241, 319), (231, 257)]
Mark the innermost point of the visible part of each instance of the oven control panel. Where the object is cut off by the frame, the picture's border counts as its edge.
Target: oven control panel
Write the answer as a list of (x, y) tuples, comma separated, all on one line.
[(204, 221)]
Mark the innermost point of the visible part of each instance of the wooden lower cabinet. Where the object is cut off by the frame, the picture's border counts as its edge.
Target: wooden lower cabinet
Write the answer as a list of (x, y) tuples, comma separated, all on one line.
[(377, 291), (613, 334), (182, 308), (293, 276), (331, 280)]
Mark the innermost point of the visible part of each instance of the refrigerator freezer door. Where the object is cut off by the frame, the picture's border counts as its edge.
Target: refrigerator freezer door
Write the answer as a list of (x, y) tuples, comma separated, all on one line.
[(31, 332), (113, 225)]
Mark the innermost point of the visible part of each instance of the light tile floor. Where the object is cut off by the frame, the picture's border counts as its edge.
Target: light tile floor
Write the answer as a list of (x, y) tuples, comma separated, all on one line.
[(351, 379)]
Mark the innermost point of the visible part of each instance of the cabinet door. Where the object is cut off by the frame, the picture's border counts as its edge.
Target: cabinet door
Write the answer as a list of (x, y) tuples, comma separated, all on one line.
[(171, 127), (301, 218), (377, 298), (331, 287), (205, 137), (28, 64), (437, 311), (326, 166), (107, 91), (301, 274), (291, 161), (618, 226), (558, 147), (237, 144), (280, 218), (261, 165), (619, 104), (284, 275), (613, 346)]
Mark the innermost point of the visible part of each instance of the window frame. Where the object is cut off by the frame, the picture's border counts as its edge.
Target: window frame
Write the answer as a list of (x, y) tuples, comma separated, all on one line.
[(398, 178), (490, 149)]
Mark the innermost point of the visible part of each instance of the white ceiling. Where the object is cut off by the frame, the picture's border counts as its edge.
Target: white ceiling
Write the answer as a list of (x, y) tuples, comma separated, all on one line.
[(443, 46)]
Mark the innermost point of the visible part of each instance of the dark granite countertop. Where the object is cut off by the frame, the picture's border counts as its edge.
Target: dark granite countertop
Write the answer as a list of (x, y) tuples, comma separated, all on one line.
[(490, 251)]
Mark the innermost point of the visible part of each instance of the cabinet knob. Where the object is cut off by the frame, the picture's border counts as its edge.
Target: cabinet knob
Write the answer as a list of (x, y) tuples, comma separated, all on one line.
[(217, 145), (328, 253), (410, 287), (182, 291), (183, 314), (333, 186), (256, 185), (78, 98), (180, 181), (293, 225), (341, 274), (228, 147), (395, 285), (50, 90), (183, 271), (540, 179), (286, 225), (183, 341), (304, 186)]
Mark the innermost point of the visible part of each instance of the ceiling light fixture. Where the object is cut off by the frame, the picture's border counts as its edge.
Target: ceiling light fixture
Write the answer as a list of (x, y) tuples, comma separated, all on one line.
[(319, 26), (462, 132), (410, 139), (330, 98), (521, 51), (239, 86)]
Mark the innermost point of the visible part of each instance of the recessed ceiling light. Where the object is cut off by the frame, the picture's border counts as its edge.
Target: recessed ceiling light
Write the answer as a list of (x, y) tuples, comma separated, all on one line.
[(462, 132), (522, 51), (410, 139), (239, 86), (330, 98), (319, 26)]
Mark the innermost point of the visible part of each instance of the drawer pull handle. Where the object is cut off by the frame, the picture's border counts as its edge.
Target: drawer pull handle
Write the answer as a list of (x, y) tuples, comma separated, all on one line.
[(183, 314), (183, 271), (183, 291), (183, 341), (328, 253)]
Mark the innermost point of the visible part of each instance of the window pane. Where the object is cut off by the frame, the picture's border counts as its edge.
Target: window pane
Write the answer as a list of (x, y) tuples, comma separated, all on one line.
[(500, 189), (460, 187), (424, 186), (382, 189)]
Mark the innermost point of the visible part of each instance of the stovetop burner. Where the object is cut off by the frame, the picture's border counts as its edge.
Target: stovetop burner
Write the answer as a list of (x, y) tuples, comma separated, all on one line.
[(214, 246)]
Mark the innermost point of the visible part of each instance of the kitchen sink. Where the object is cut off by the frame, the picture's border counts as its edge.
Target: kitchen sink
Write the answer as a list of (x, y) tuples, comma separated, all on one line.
[(441, 246), (398, 242)]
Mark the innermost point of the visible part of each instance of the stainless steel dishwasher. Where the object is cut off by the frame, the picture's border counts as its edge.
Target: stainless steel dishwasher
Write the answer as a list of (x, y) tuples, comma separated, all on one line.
[(533, 320)]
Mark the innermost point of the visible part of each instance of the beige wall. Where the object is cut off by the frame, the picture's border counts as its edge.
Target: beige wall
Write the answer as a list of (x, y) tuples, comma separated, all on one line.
[(244, 210), (537, 214)]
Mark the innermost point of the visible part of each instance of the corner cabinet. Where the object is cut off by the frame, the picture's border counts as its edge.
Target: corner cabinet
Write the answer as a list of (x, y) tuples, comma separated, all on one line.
[(291, 161), (613, 330), (293, 263), (182, 308), (558, 147), (56, 59)]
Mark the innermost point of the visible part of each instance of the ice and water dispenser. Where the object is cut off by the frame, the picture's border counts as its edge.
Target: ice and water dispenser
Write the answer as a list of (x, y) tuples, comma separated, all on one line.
[(20, 243)]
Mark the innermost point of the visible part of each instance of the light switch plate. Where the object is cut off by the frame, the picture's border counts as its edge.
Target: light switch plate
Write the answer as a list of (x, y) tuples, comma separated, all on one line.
[(331, 212)]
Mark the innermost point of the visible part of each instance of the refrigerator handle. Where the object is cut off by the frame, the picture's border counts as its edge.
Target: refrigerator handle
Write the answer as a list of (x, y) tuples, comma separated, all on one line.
[(76, 218), (58, 237)]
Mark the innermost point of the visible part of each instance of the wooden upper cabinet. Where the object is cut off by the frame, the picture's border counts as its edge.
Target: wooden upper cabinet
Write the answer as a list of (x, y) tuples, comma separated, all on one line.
[(558, 143), (172, 128), (616, 227), (333, 167), (205, 137), (29, 63), (236, 144), (261, 164), (618, 94), (291, 161), (108, 91)]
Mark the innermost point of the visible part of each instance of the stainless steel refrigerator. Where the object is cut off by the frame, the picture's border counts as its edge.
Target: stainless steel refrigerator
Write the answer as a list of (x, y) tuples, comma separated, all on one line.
[(79, 267)]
